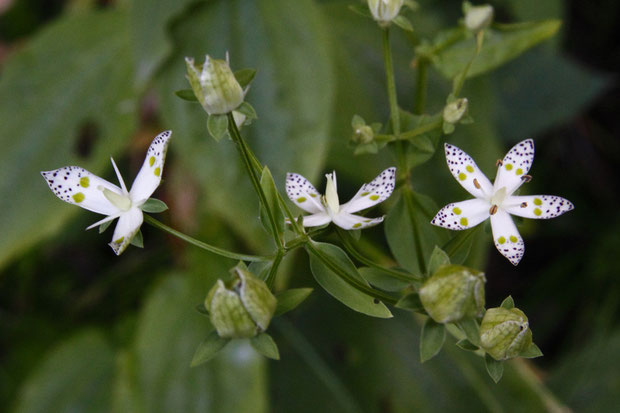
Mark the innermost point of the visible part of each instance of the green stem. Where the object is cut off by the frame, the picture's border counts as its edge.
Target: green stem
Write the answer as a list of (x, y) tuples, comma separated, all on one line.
[(250, 167), (219, 251), (421, 83), (420, 130), (271, 277)]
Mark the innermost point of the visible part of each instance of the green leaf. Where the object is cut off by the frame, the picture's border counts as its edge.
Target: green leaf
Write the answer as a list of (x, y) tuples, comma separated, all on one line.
[(138, 240), (91, 119), (154, 205), (271, 193), (471, 329), (208, 348), (382, 279), (264, 344), (411, 302), (508, 303), (432, 339), (217, 126), (531, 352), (422, 146), (501, 44), (186, 94), (465, 344), (438, 258), (244, 76), (403, 22), (289, 300), (494, 368), (335, 272), (459, 247), (409, 233), (75, 376)]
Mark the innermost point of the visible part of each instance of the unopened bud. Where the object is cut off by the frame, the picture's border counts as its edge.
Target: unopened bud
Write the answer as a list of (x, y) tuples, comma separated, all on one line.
[(454, 111), (452, 293), (478, 18), (384, 11), (241, 308), (214, 85), (505, 333), (363, 134)]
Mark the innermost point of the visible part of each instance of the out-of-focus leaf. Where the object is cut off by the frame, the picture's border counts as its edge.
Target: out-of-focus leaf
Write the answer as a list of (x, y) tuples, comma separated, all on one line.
[(409, 232), (501, 44), (289, 300), (431, 340), (382, 279), (64, 100), (76, 376), (327, 263)]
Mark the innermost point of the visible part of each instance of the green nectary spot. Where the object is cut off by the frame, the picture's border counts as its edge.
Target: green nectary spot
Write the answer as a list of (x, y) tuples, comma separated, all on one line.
[(501, 240), (151, 160), (364, 193), (313, 195), (519, 171), (508, 166), (84, 182), (457, 211), (513, 238), (119, 241), (464, 221), (374, 197), (157, 171), (357, 225), (79, 197), (537, 212), (301, 199), (470, 169), (537, 201), (462, 176)]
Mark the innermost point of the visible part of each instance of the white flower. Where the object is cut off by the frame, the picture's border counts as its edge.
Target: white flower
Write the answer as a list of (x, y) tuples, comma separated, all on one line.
[(327, 208), (77, 186), (497, 200), (384, 11)]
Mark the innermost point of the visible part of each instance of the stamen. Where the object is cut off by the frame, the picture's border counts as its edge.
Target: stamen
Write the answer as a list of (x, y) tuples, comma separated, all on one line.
[(523, 204), (476, 184), (499, 162), (526, 178), (493, 210)]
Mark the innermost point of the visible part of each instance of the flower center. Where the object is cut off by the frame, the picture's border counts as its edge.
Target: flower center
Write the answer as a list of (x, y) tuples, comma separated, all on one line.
[(498, 197), (331, 195), (122, 202)]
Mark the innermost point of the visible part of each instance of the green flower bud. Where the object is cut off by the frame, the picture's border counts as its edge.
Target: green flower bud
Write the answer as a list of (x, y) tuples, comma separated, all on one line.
[(452, 293), (363, 134), (477, 18), (215, 85), (384, 11), (505, 333), (454, 111), (241, 308)]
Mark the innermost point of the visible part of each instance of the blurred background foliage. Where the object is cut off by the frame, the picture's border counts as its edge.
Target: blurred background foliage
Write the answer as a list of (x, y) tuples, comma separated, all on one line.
[(84, 331)]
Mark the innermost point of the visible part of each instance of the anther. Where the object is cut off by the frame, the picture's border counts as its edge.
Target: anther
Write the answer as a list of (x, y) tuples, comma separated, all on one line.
[(526, 178), (499, 162), (523, 204), (493, 210), (476, 184)]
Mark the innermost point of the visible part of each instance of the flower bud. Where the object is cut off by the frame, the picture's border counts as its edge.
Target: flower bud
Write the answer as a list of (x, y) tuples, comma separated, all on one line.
[(478, 18), (384, 11), (214, 85), (241, 308), (363, 134), (454, 111), (505, 333), (452, 293)]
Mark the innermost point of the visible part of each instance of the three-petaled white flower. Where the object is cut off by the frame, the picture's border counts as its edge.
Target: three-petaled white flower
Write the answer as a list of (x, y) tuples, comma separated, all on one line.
[(79, 187), (497, 200), (327, 208)]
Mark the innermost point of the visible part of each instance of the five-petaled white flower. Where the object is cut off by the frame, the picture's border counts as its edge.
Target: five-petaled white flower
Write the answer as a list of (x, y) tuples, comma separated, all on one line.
[(77, 186), (497, 200), (327, 208)]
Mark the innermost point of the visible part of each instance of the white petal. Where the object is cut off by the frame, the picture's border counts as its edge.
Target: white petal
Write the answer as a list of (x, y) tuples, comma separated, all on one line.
[(372, 193), (316, 220), (303, 194), (507, 239), (515, 164), (351, 221), (127, 226), (149, 177), (462, 215), (467, 173), (537, 206), (79, 187)]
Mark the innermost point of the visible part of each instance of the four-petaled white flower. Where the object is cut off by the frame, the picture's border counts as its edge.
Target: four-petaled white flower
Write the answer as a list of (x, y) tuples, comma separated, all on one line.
[(327, 208), (497, 200), (77, 186)]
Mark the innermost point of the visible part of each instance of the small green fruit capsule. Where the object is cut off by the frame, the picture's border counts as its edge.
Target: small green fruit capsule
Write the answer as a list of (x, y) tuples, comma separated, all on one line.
[(241, 308), (452, 293), (384, 11), (504, 333), (477, 18), (454, 111), (363, 134), (214, 85)]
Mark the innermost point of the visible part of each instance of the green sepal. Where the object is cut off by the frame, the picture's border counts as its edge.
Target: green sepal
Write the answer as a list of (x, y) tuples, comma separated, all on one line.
[(154, 206), (531, 352), (217, 126), (208, 348), (260, 269), (187, 94), (202, 309), (438, 258), (290, 299), (508, 303), (370, 148), (104, 226), (494, 367), (411, 302), (357, 121), (244, 76), (467, 345), (137, 240), (403, 22), (448, 128), (470, 327), (264, 344), (248, 110), (431, 340)]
